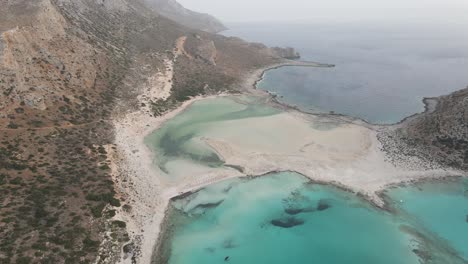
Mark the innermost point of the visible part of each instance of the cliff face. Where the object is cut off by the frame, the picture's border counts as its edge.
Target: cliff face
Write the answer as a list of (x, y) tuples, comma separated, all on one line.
[(175, 11), (442, 134), (67, 67)]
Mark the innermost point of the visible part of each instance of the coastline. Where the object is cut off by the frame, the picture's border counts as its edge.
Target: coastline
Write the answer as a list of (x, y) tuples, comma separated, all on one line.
[(429, 103), (287, 107), (150, 196), (291, 63)]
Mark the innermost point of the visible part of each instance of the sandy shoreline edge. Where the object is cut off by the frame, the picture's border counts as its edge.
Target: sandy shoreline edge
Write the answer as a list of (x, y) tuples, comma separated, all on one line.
[(138, 183)]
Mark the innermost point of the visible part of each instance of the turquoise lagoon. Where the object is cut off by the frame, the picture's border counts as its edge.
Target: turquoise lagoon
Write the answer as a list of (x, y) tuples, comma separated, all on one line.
[(179, 145), (282, 217)]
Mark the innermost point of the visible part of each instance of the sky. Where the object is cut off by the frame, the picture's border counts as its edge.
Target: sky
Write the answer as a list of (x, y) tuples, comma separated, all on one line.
[(331, 10)]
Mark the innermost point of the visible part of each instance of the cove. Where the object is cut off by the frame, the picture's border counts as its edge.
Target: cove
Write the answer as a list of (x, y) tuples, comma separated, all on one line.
[(383, 70), (283, 218)]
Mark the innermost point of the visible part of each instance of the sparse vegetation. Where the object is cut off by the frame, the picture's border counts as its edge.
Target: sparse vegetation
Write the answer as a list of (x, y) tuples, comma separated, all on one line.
[(56, 192), (441, 135), (119, 224)]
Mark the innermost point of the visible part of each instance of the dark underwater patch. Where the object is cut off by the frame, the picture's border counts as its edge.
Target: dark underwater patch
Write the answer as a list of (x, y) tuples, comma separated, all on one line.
[(287, 222), (295, 211), (209, 205), (323, 205)]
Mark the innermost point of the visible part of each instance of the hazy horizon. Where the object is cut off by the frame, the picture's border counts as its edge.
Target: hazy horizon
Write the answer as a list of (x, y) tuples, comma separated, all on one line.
[(449, 11)]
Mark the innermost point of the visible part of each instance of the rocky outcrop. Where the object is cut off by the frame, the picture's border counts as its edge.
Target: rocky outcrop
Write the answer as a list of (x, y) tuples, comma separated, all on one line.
[(287, 53), (442, 132), (202, 48), (175, 11)]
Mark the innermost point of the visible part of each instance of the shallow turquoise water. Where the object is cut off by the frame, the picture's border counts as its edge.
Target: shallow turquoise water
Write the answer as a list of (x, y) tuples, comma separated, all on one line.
[(181, 137), (246, 221), (439, 207)]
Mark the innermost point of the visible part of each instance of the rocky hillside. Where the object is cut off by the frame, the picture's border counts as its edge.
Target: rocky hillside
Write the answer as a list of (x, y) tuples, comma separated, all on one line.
[(440, 134), (67, 68), (175, 11)]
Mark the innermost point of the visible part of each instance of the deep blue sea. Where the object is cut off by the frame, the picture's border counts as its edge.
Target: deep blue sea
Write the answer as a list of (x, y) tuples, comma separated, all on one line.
[(382, 73)]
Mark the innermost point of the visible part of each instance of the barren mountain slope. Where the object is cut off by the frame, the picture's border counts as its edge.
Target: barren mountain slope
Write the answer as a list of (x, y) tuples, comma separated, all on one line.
[(67, 67), (443, 132), (439, 135), (175, 11)]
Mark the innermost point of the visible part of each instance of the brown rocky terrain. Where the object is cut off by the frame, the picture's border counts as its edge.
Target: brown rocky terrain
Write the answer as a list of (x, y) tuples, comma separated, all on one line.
[(67, 67), (439, 135), (443, 131)]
